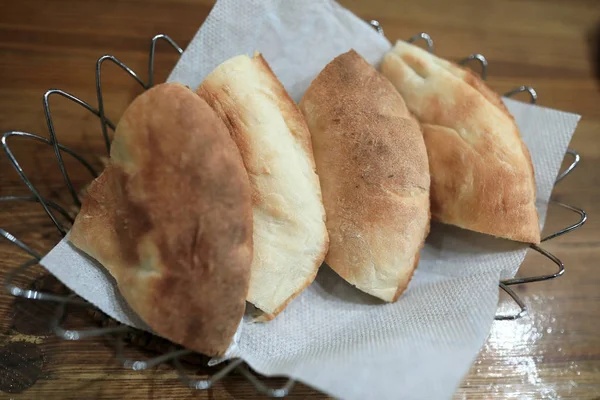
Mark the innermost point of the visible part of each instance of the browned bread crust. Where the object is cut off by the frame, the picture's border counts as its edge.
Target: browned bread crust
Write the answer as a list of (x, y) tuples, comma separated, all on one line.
[(482, 176), (170, 218), (372, 163)]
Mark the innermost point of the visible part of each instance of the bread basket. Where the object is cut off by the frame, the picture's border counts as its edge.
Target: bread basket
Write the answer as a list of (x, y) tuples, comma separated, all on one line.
[(167, 351)]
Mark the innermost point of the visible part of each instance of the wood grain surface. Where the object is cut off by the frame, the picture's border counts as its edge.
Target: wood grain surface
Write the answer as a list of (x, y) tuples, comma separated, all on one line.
[(553, 352)]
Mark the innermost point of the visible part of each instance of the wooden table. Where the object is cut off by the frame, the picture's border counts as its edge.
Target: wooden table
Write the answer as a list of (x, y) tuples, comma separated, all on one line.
[(554, 352)]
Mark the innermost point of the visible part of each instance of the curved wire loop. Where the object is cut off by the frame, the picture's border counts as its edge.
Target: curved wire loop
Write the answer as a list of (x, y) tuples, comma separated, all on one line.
[(25, 179), (104, 122), (140, 365), (16, 291), (12, 275), (71, 334), (570, 168), (532, 93), (48, 205), (560, 269), (203, 384), (582, 219), (516, 299), (482, 60), (377, 26), (160, 36), (264, 389), (54, 141), (423, 36)]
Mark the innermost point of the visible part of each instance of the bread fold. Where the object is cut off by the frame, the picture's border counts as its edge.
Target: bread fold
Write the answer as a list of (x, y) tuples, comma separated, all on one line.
[(170, 218), (482, 177), (372, 163), (290, 237)]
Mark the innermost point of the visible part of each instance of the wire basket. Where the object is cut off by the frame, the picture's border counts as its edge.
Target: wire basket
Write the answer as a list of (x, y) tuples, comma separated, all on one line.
[(170, 352)]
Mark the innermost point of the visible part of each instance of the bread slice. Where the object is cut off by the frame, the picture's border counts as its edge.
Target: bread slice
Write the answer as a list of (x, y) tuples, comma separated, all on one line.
[(482, 177), (170, 218), (372, 163), (290, 237)]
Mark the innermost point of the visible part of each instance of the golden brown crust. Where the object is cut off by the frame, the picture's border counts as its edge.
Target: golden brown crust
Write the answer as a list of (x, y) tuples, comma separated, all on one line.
[(482, 176), (170, 218), (290, 236), (374, 175)]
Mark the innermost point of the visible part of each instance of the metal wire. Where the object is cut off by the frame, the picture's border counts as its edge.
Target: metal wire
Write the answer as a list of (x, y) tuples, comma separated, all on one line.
[(32, 199), (264, 389), (482, 60), (377, 26), (104, 122), (175, 355), (68, 334), (516, 299), (576, 159), (58, 148), (155, 39), (203, 384), (423, 36), (532, 93), (54, 141), (26, 180), (13, 239), (140, 365), (582, 220), (16, 291), (552, 257)]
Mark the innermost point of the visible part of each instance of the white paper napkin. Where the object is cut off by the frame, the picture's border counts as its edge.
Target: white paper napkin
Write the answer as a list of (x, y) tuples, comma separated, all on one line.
[(332, 336)]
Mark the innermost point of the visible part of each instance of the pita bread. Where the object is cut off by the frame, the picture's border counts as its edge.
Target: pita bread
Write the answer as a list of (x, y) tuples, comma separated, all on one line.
[(372, 163), (170, 218), (290, 237), (482, 177)]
